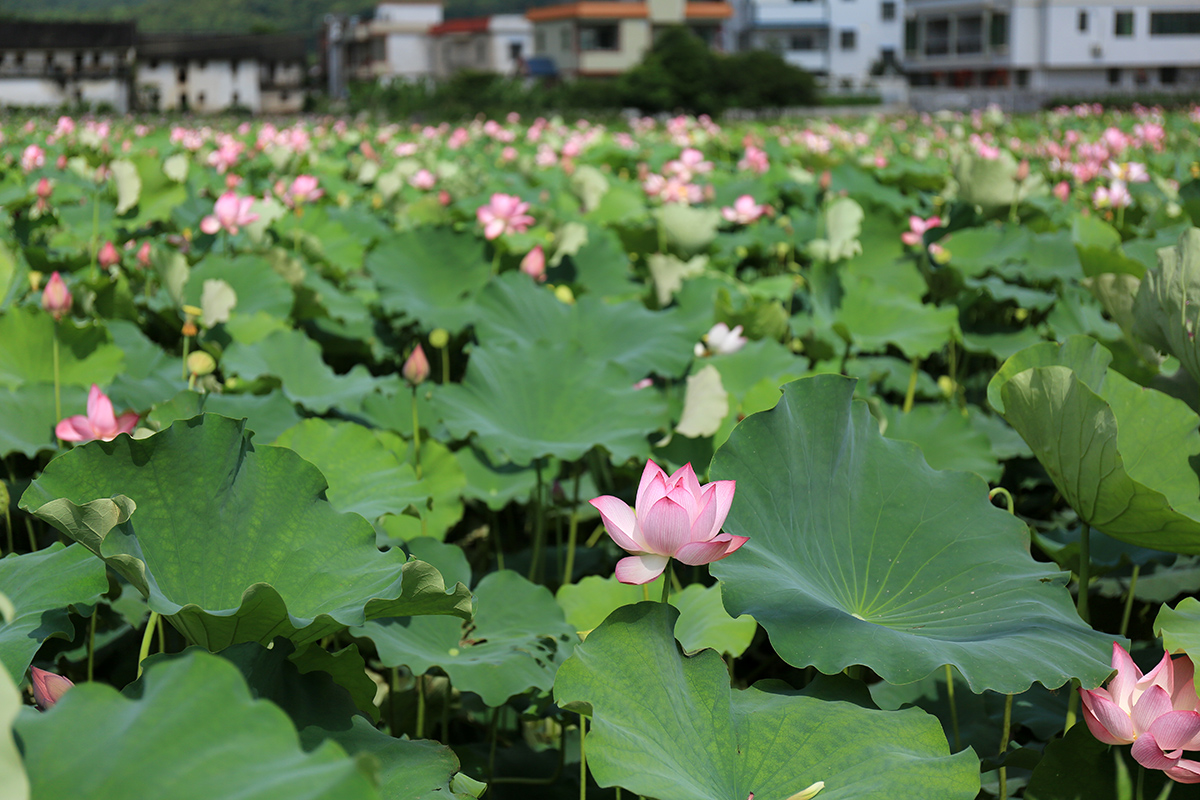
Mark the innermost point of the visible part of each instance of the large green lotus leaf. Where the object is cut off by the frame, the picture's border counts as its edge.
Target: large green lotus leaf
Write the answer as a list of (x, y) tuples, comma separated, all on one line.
[(860, 553), (875, 316), (27, 417), (431, 275), (516, 641), (1118, 452), (322, 710), (42, 586), (668, 726), (602, 265), (690, 230), (268, 415), (296, 361), (364, 475), (14, 783), (441, 490), (946, 438), (992, 182), (234, 541), (27, 344), (497, 485), (703, 621), (548, 399), (515, 310), (1099, 248), (150, 376), (194, 734), (1167, 309), (258, 287)]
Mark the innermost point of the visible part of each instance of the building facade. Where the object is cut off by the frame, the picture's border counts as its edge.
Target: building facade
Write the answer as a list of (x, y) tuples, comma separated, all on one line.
[(1051, 47), (209, 73), (845, 43), (393, 43), (608, 37), (500, 43), (51, 64)]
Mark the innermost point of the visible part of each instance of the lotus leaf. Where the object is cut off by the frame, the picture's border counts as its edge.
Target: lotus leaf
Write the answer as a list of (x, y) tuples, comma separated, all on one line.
[(1118, 452), (431, 275), (245, 549), (667, 725), (1167, 309), (860, 553)]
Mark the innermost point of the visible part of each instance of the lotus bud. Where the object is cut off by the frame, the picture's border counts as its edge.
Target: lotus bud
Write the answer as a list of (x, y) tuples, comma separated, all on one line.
[(534, 263), (439, 338), (35, 280), (108, 256), (200, 363), (1023, 170), (43, 189), (565, 295), (826, 180), (48, 687), (143, 254), (416, 367), (57, 297)]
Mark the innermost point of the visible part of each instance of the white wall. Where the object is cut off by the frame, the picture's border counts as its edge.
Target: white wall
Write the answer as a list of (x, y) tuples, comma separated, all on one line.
[(505, 30), (216, 80), (47, 93)]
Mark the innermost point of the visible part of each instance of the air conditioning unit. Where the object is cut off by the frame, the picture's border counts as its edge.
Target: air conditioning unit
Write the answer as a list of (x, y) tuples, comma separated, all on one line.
[(1097, 51)]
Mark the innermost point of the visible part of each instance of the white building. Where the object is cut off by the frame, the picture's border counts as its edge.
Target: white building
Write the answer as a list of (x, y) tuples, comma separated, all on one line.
[(839, 41), (51, 64), (1044, 48), (393, 43), (499, 43), (207, 73)]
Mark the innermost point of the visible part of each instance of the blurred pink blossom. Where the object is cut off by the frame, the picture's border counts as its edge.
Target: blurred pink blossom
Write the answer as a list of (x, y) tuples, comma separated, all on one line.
[(100, 423), (505, 213)]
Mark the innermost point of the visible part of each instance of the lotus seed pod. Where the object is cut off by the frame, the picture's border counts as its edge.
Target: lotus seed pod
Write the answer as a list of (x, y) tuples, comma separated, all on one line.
[(200, 363)]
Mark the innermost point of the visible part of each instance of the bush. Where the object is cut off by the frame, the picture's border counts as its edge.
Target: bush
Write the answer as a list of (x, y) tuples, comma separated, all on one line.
[(762, 79), (678, 74)]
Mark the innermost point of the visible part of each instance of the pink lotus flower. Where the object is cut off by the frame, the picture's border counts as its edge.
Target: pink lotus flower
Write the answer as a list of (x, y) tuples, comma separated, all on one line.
[(48, 688), (230, 212), (743, 211), (916, 229), (1062, 190), (1155, 712), (534, 263), (100, 423), (56, 297), (422, 179), (504, 214), (32, 157), (675, 517), (303, 189)]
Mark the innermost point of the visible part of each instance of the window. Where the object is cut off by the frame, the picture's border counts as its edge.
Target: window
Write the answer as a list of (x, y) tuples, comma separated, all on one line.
[(233, 66), (19, 58), (598, 37), (970, 35), (1022, 77), (1123, 23), (910, 36), (235, 99), (181, 76), (887, 10), (154, 63), (200, 100), (1174, 23), (202, 64), (937, 37), (1168, 75), (998, 31), (1114, 76), (803, 41), (1083, 22), (514, 51), (849, 39)]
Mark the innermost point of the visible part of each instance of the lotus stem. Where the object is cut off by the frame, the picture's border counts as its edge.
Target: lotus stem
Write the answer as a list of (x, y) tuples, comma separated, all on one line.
[(539, 532), (582, 758), (666, 593), (162, 637), (1129, 598), (572, 534), (1085, 564), (912, 385), (1139, 792), (446, 712), (562, 757), (646, 592), (147, 635), (953, 707), (92, 642), (392, 689), (416, 436), (187, 341), (1008, 704), (57, 380), (492, 748), (1072, 699), (419, 685), (12, 548), (1012, 508), (446, 363), (94, 246)]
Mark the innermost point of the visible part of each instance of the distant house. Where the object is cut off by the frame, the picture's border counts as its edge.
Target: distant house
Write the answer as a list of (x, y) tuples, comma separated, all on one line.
[(48, 64), (208, 73), (500, 43), (839, 41), (1054, 47), (608, 37), (393, 43)]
